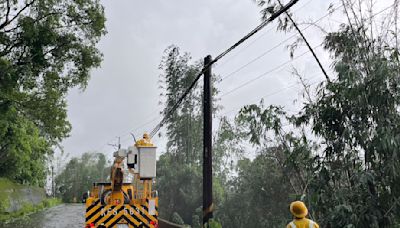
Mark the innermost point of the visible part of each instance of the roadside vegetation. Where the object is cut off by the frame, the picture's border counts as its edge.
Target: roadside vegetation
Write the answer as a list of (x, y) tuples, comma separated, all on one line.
[(13, 193), (339, 153), (46, 48), (28, 209), (78, 176)]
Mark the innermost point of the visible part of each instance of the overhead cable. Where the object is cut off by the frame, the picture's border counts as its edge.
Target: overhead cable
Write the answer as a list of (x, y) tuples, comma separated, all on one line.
[(259, 37), (266, 73), (274, 47), (273, 93), (243, 39), (308, 45)]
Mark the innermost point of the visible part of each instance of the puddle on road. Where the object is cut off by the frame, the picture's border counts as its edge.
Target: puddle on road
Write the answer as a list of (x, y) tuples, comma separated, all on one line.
[(65, 215)]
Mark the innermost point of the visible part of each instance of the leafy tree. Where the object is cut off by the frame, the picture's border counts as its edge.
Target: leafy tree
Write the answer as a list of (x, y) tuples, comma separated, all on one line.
[(357, 116), (26, 150), (46, 47), (227, 149), (352, 180), (264, 186), (259, 195), (340, 155), (186, 122), (177, 219), (179, 187), (79, 174), (179, 170)]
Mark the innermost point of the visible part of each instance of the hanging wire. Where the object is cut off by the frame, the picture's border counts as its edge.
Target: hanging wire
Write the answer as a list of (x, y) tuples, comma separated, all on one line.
[(266, 73), (243, 39), (274, 47), (236, 108), (256, 39)]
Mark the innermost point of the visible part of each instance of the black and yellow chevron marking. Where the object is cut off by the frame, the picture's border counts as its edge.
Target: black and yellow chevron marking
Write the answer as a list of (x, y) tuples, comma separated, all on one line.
[(109, 216)]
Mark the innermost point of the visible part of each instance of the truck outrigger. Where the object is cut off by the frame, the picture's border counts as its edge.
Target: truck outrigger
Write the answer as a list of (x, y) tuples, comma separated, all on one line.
[(119, 204)]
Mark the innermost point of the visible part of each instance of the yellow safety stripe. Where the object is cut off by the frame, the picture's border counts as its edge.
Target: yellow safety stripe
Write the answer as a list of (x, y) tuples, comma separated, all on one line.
[(128, 215), (107, 216), (94, 213), (113, 218), (139, 216), (151, 217)]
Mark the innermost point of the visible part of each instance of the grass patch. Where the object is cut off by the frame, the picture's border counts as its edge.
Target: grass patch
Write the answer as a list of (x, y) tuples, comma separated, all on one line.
[(10, 190), (4, 202), (7, 184), (6, 189), (29, 209)]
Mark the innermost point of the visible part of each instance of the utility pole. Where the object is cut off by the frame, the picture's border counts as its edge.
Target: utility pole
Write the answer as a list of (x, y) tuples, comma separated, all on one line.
[(207, 143)]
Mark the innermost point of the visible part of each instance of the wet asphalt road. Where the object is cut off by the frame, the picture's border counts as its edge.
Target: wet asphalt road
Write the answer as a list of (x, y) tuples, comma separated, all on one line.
[(65, 215)]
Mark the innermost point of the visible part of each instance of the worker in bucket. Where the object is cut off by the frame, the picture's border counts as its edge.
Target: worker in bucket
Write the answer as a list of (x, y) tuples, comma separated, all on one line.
[(299, 211)]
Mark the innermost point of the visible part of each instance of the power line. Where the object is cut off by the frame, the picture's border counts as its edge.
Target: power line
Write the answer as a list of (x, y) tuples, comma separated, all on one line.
[(274, 47), (255, 30), (155, 130), (147, 123), (308, 44), (127, 133), (220, 56), (266, 73), (270, 71), (272, 93), (255, 59), (256, 39), (243, 39), (281, 65)]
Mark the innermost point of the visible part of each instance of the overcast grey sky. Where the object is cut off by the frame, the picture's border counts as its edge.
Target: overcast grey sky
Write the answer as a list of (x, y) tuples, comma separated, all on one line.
[(123, 93)]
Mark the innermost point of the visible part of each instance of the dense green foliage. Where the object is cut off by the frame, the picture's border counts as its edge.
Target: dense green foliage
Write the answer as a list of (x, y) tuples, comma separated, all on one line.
[(260, 191), (247, 193), (24, 151), (179, 172), (342, 148), (79, 175), (339, 154), (238, 182), (46, 47), (357, 116), (180, 165)]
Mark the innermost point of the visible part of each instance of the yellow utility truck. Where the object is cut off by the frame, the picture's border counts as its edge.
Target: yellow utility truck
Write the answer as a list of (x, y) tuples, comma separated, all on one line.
[(118, 204)]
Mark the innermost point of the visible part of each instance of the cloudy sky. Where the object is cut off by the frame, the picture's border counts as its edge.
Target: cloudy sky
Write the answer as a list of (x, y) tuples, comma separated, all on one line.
[(123, 93)]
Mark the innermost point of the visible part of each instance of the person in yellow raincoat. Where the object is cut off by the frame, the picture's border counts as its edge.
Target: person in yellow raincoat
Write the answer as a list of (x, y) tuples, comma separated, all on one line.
[(299, 211)]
